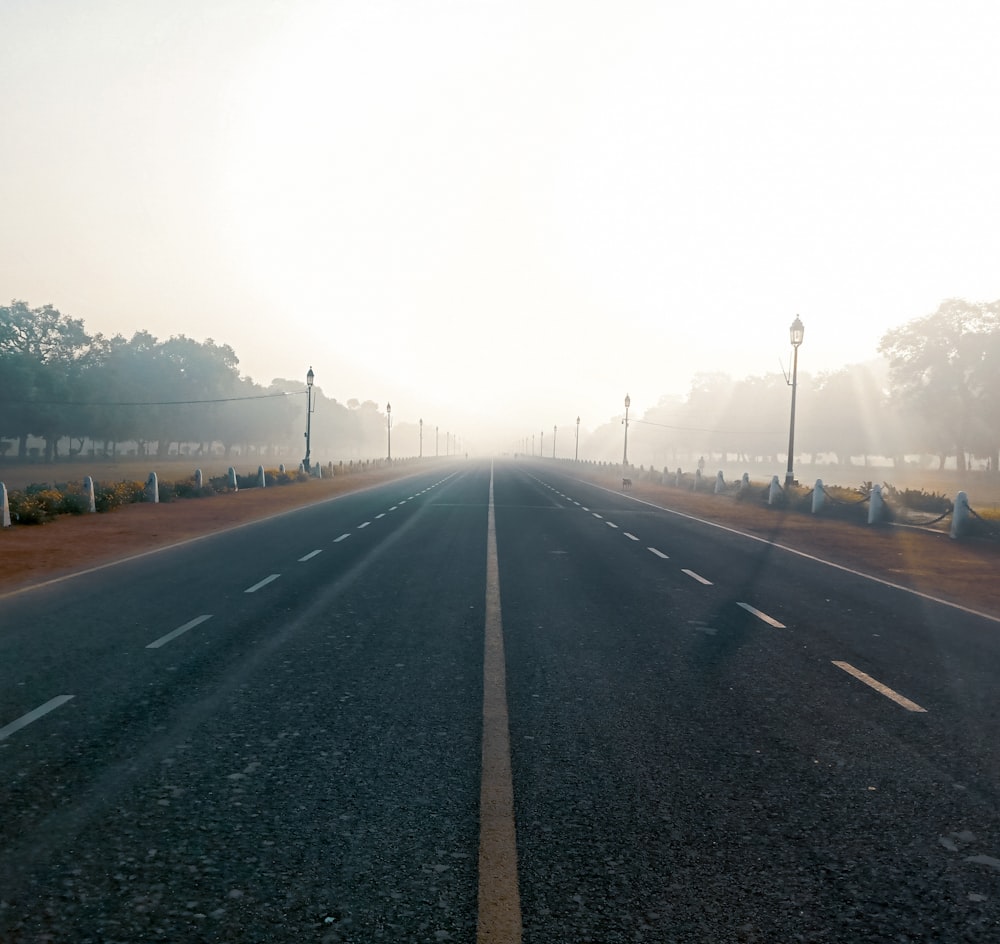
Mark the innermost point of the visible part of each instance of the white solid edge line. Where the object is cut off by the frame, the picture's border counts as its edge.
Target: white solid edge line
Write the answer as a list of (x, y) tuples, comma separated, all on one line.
[(262, 583), (630, 536), (343, 537), (173, 634), (698, 577), (653, 550), (33, 715), (762, 616), (811, 557), (879, 687), (309, 556)]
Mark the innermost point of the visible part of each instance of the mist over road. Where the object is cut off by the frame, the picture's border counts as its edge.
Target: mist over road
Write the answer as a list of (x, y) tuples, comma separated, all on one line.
[(275, 734)]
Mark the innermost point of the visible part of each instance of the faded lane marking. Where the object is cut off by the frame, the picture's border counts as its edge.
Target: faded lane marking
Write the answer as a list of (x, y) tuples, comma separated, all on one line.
[(499, 903)]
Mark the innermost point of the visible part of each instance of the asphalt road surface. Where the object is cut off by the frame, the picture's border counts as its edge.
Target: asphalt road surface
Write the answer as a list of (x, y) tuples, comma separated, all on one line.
[(287, 732)]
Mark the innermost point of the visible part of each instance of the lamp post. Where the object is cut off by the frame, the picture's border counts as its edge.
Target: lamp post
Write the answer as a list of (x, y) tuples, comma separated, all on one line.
[(388, 427), (628, 403), (310, 378), (532, 445), (796, 332), (554, 430), (576, 451), (541, 444), (436, 429), (420, 455)]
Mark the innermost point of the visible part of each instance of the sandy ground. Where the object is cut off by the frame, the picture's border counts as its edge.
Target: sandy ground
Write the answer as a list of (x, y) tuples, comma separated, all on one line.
[(965, 572)]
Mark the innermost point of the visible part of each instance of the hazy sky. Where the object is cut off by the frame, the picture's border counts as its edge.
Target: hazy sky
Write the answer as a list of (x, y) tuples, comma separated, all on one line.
[(510, 211)]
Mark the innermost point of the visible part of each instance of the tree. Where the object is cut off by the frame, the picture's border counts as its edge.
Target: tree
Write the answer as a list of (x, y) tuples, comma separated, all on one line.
[(943, 369), (41, 354)]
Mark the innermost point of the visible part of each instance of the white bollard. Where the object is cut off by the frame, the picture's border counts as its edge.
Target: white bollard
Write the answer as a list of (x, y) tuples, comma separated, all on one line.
[(199, 480), (261, 478), (4, 507), (302, 467), (819, 496), (876, 512), (774, 495), (678, 477), (745, 483), (88, 491), (720, 483), (319, 471), (281, 468), (960, 515), (152, 489), (231, 477)]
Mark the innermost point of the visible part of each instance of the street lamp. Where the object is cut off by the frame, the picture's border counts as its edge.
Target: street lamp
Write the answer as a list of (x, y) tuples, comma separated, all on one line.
[(541, 444), (420, 455), (628, 403), (554, 429), (796, 332), (388, 427), (576, 453), (436, 428), (310, 378)]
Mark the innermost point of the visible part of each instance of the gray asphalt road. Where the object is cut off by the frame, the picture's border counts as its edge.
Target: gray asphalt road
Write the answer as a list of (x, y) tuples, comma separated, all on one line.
[(274, 734)]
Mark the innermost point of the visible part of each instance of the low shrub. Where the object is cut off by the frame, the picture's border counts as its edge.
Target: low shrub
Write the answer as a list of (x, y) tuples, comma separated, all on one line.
[(109, 497)]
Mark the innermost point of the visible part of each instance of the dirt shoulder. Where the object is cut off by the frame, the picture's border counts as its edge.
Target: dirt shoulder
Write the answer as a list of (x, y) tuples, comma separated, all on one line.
[(964, 572)]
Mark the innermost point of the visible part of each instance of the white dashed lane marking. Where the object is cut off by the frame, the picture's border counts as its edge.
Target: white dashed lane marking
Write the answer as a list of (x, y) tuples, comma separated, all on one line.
[(309, 556), (34, 715), (382, 515), (173, 634), (363, 525), (343, 537), (631, 537), (653, 550), (262, 583), (697, 577), (770, 620), (880, 688), (611, 524)]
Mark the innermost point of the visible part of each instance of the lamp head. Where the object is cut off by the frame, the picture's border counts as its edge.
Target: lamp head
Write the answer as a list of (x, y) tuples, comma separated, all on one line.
[(796, 331), (628, 401), (310, 377)]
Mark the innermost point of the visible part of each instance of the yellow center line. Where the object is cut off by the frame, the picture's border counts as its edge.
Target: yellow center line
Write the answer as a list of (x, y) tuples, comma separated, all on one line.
[(499, 899)]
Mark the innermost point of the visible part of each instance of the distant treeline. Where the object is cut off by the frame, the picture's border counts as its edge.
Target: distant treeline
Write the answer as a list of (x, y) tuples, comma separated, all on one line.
[(58, 383), (935, 392)]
